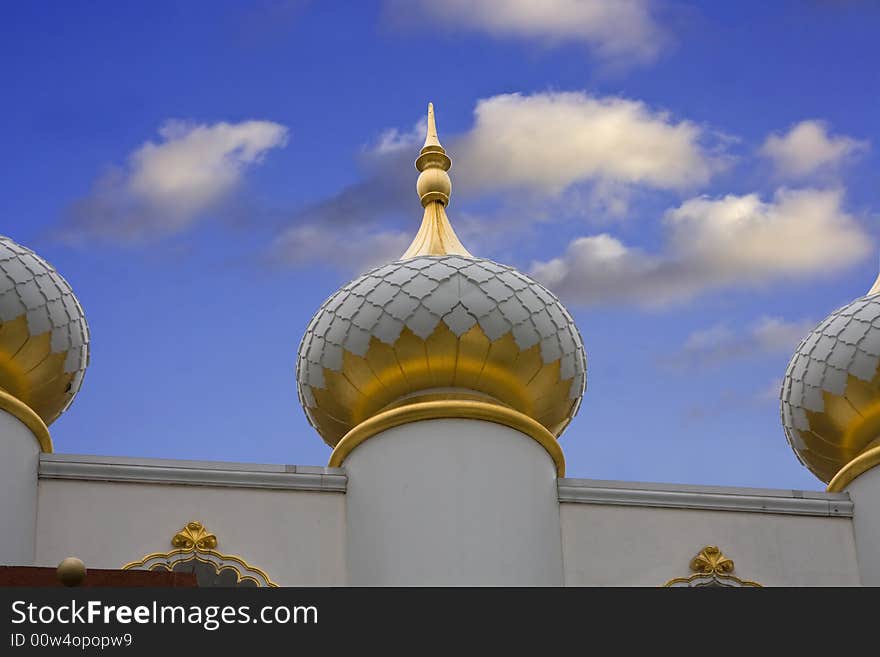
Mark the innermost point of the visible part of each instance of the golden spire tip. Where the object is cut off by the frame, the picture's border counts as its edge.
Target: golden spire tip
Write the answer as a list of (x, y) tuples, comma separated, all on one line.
[(431, 139)]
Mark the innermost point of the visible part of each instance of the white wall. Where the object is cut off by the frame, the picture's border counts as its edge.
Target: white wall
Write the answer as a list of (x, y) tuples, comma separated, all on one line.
[(865, 493), (633, 546), (296, 537), (19, 455), (452, 502)]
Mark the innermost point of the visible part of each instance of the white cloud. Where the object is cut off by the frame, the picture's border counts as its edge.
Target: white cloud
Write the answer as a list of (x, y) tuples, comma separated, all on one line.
[(166, 186), (353, 250), (807, 148), (394, 140), (733, 241), (547, 142), (617, 30)]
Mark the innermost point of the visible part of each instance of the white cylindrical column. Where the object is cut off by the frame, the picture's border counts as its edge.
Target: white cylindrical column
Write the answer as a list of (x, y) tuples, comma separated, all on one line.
[(451, 502), (19, 461), (864, 490)]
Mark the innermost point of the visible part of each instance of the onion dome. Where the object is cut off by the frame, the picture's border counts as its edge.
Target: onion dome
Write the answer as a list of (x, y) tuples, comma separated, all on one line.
[(831, 393), (440, 323), (44, 339)]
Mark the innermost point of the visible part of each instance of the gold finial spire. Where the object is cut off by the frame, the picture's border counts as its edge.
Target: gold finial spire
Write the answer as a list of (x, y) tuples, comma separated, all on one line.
[(436, 236), (875, 288), (431, 139)]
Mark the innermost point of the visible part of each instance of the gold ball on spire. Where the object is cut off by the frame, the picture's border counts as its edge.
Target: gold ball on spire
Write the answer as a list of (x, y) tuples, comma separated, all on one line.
[(434, 184)]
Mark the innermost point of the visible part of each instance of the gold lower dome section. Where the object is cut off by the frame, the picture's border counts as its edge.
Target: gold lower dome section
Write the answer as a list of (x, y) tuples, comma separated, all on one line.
[(452, 408), (517, 378), (31, 373), (847, 427)]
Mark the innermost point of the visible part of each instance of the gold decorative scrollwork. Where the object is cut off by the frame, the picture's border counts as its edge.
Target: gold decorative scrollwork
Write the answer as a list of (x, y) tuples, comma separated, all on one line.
[(194, 537), (194, 543), (711, 567)]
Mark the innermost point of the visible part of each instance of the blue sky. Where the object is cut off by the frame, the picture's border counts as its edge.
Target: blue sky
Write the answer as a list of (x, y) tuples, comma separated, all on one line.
[(696, 180)]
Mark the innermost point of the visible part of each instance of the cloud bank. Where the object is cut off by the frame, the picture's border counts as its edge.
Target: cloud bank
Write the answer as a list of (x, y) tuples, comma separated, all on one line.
[(712, 244), (538, 145), (720, 343)]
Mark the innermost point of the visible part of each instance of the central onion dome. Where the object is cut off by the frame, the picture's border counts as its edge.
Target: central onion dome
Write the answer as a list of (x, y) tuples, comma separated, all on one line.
[(44, 340), (440, 324), (831, 393)]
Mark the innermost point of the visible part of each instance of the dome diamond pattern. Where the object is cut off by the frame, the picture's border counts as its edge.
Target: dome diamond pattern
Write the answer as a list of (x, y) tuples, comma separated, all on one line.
[(830, 399), (440, 321), (44, 338)]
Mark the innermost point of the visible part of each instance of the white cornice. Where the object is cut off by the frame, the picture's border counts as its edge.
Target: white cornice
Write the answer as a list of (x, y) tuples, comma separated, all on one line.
[(191, 473), (317, 478), (710, 498)]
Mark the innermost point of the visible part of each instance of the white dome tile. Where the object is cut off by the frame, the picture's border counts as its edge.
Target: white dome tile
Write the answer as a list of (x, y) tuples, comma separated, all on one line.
[(814, 373), (864, 365), (38, 321), (530, 300), (443, 298), (834, 380), (841, 355), (357, 342), (383, 293), (525, 335), (388, 329), (420, 286), (477, 303), (337, 332), (494, 324), (17, 271), (854, 331), (367, 316), (497, 290), (402, 306), (813, 399), (870, 343), (11, 306), (307, 397), (550, 350), (836, 325), (868, 313), (423, 322), (545, 326), (350, 306), (330, 357), (514, 311), (567, 368), (401, 275), (459, 320), (60, 340), (439, 271), (476, 272), (823, 347), (799, 419)]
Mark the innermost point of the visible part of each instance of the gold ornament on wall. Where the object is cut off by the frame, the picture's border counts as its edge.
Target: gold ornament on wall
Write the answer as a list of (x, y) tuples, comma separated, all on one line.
[(196, 546), (711, 567), (194, 537)]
